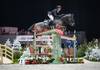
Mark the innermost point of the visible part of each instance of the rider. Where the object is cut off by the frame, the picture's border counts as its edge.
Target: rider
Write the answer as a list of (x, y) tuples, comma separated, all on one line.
[(55, 13)]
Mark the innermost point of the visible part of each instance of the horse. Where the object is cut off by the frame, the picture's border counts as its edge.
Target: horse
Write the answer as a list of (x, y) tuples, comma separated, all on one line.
[(66, 19)]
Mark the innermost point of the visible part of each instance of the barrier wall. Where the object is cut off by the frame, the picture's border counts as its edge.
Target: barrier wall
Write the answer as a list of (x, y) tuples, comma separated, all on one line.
[(5, 52)]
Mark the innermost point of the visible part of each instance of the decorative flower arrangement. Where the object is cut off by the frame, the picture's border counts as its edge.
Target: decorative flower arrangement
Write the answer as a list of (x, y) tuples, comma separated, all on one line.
[(93, 51), (93, 54)]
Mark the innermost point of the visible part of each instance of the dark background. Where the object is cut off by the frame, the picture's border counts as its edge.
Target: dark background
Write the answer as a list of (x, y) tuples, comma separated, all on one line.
[(23, 13)]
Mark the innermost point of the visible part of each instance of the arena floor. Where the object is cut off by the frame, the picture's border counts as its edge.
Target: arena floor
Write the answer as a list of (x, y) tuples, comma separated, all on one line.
[(85, 66)]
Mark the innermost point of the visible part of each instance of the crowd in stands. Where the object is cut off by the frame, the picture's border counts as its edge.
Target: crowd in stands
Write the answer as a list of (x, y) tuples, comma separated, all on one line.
[(24, 32), (12, 32)]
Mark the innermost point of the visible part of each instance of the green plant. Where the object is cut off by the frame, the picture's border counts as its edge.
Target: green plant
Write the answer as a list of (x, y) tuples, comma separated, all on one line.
[(16, 57), (82, 49)]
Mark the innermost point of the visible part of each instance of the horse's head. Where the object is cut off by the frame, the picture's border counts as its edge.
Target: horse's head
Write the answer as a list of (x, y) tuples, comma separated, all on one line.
[(41, 26), (38, 27)]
